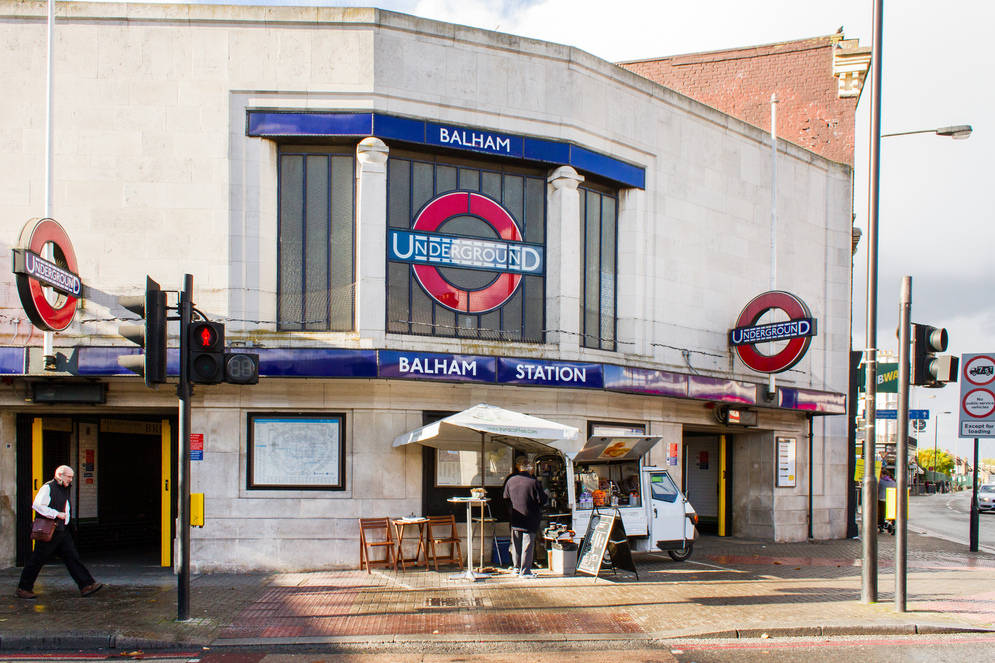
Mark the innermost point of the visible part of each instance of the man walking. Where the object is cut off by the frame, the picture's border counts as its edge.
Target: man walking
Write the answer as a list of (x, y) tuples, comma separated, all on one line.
[(52, 501), (526, 496)]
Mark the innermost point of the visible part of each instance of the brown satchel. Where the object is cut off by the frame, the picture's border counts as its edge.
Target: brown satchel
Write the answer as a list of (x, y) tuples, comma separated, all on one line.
[(42, 528)]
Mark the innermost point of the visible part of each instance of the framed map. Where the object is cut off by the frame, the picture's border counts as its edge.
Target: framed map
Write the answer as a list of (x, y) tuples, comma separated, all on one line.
[(296, 451)]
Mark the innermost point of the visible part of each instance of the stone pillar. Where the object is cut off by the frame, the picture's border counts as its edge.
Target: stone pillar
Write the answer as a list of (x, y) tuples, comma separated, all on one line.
[(563, 268), (371, 240)]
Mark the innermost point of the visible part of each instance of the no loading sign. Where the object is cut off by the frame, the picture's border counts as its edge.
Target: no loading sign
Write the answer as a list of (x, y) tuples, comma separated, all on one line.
[(977, 398)]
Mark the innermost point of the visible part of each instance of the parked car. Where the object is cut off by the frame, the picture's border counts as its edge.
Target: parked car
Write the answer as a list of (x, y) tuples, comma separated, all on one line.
[(986, 497)]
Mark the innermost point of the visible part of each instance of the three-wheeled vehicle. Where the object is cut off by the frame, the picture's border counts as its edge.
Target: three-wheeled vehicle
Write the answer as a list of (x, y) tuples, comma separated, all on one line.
[(608, 473)]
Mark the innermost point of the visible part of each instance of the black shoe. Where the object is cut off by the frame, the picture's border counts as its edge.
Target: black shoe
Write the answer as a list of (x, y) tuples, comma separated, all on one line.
[(24, 594), (92, 588)]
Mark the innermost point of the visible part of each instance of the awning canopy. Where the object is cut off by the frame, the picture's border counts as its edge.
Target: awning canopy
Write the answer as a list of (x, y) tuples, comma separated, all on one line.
[(603, 448), (516, 429)]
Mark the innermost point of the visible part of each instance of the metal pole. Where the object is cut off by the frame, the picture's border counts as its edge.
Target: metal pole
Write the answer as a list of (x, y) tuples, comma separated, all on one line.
[(902, 448), (974, 501), (811, 478), (183, 465), (48, 338), (869, 534), (771, 383)]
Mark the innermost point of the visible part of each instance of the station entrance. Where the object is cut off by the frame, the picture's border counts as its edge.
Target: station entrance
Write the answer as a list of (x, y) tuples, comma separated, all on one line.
[(122, 498)]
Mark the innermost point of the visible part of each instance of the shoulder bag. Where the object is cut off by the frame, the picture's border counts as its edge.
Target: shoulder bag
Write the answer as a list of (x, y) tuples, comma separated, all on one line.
[(42, 528)]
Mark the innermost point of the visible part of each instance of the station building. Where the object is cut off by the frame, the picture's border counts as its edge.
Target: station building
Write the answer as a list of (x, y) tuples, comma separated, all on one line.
[(404, 218)]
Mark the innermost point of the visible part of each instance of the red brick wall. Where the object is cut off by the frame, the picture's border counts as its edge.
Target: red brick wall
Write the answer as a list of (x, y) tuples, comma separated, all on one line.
[(739, 82)]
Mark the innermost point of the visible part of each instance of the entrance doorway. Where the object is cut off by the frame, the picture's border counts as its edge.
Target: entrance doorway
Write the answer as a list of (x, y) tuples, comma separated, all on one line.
[(708, 480), (122, 506)]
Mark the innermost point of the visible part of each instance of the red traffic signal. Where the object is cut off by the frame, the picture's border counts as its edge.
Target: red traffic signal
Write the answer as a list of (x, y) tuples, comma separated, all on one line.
[(207, 352)]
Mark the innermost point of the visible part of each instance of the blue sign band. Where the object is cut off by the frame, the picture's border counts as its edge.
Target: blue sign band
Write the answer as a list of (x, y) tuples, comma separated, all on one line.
[(550, 373), (393, 364), (433, 366), (12, 361), (264, 124)]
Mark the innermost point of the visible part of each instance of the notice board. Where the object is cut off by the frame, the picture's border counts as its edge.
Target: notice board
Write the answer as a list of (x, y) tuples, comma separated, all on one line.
[(605, 531)]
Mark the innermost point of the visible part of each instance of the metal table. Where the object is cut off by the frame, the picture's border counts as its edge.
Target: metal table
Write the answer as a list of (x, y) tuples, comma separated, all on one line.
[(470, 502)]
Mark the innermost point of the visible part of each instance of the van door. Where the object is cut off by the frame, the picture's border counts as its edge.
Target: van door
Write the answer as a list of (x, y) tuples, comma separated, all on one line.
[(667, 514)]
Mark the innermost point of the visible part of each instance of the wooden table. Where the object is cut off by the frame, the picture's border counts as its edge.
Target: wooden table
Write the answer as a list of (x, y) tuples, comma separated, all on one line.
[(422, 552)]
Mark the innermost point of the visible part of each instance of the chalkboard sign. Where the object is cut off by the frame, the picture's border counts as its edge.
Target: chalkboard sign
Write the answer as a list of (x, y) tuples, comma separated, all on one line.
[(592, 551), (605, 531)]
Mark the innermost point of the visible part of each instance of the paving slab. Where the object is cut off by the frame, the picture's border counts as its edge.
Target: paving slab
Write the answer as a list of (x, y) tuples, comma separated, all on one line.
[(729, 588)]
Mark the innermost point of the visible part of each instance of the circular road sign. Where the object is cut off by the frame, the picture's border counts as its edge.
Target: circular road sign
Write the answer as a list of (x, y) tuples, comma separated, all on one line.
[(979, 403), (980, 370)]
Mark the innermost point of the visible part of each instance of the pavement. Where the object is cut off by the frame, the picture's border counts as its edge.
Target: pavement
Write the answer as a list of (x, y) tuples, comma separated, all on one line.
[(730, 588)]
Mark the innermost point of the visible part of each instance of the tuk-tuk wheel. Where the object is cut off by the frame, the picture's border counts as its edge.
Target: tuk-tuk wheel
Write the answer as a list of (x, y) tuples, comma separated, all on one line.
[(680, 555)]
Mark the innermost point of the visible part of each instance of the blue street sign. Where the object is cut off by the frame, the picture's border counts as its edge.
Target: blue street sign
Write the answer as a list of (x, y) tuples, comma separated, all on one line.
[(893, 414)]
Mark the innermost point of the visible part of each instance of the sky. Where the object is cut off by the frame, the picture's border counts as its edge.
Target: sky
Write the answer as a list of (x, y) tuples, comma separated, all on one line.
[(936, 216)]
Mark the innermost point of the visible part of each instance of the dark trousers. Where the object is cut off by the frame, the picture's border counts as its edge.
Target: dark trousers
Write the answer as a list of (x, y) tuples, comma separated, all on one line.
[(523, 544), (61, 543)]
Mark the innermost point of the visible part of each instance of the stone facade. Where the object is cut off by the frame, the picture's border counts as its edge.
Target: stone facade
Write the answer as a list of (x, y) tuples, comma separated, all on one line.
[(155, 174)]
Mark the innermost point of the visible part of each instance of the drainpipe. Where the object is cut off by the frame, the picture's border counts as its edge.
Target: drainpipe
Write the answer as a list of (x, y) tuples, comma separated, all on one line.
[(811, 474)]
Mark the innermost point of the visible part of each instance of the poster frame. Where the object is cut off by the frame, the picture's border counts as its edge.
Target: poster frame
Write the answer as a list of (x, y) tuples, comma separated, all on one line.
[(253, 418)]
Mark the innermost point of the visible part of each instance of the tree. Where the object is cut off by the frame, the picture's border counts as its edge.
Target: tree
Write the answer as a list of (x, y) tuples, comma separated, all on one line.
[(944, 461)]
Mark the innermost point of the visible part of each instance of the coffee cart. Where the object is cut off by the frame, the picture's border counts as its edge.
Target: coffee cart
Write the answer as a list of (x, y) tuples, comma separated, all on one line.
[(609, 473)]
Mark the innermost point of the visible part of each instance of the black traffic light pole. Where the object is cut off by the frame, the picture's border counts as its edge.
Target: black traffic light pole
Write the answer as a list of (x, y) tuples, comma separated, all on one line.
[(183, 391), (974, 501)]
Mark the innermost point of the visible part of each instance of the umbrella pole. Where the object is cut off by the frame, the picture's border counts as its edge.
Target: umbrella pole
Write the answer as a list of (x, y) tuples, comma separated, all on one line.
[(483, 484)]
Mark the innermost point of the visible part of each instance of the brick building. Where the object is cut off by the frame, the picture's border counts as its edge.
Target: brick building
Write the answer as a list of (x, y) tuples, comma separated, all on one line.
[(817, 82)]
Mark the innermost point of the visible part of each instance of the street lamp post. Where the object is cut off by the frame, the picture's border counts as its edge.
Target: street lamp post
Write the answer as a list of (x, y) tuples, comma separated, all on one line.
[(868, 585)]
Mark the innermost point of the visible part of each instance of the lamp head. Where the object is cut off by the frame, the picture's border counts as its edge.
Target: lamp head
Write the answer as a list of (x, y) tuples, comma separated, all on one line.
[(957, 132)]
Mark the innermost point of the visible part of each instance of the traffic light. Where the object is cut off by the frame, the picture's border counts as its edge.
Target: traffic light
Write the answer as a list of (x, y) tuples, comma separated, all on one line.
[(928, 368), (207, 352), (150, 335), (241, 368)]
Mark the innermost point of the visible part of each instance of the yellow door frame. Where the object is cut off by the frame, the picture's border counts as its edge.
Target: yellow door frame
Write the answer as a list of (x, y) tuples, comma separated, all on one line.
[(166, 504), (722, 485)]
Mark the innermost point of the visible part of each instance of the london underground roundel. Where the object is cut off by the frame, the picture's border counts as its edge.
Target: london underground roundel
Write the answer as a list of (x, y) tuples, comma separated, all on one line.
[(53, 310), (438, 256), (797, 331)]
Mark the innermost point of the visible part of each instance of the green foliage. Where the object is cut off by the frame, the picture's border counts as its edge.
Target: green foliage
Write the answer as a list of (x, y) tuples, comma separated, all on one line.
[(944, 461)]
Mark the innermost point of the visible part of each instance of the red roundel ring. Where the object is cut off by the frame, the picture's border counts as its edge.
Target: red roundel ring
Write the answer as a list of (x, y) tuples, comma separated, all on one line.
[(461, 203), (35, 235), (795, 349)]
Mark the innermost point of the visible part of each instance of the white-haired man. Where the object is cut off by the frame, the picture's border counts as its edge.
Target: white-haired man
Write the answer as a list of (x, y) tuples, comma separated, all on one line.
[(52, 501)]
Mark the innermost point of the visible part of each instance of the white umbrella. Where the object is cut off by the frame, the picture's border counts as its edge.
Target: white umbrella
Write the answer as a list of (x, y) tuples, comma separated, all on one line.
[(520, 430)]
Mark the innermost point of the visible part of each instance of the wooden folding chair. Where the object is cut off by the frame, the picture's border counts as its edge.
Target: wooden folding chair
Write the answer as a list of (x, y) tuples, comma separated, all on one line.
[(376, 533), (446, 535)]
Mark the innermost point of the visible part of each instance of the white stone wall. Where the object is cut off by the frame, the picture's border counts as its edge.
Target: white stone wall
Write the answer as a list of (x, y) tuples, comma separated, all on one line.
[(154, 174)]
